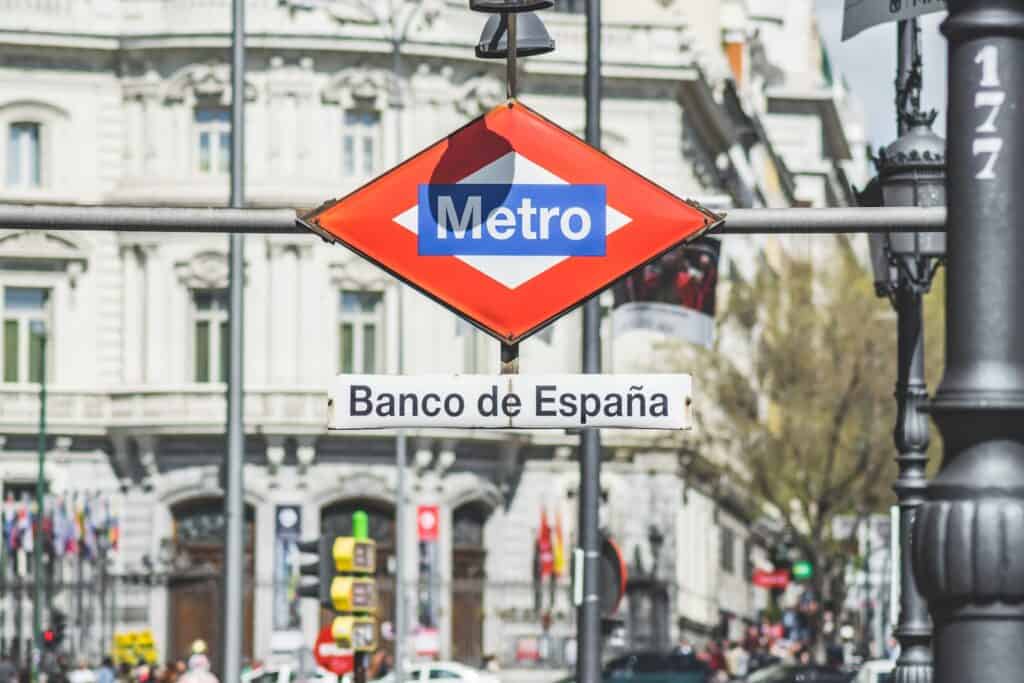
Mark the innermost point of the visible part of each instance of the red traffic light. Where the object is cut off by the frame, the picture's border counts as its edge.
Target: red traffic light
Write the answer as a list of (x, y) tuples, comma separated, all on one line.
[(49, 635)]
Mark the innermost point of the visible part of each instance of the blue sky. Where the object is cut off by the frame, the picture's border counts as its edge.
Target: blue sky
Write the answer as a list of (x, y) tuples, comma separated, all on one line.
[(868, 62)]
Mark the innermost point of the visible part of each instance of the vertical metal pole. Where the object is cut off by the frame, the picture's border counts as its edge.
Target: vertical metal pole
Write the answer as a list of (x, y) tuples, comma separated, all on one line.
[(37, 550), (906, 42), (234, 485), (588, 633), (19, 615), (913, 631), (4, 587), (911, 435), (969, 535), (79, 610), (401, 442), (513, 53)]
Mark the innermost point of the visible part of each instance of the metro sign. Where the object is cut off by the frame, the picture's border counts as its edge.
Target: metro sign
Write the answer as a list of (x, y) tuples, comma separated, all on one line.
[(510, 221)]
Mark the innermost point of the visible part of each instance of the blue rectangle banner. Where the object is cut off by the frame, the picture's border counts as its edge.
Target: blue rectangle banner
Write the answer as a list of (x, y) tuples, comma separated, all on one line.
[(512, 220)]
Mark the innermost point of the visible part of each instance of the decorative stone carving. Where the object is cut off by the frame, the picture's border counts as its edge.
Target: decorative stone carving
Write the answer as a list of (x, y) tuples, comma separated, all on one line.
[(479, 94), (47, 249), (353, 11), (205, 270), (356, 273), (212, 79), (275, 454), (360, 86), (363, 485)]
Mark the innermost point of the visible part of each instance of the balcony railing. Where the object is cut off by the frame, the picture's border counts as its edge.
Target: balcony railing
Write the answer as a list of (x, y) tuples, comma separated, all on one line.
[(190, 407)]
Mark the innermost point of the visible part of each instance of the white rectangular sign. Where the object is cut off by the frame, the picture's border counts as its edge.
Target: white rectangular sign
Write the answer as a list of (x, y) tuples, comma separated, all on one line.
[(510, 401), (861, 14)]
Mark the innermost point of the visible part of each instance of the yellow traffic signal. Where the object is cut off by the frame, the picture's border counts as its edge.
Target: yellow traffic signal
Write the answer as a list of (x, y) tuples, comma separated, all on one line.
[(354, 555), (355, 633), (352, 594)]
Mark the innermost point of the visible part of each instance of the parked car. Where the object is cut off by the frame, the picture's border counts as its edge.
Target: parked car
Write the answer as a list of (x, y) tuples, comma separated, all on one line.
[(875, 671), (656, 667), (288, 674), (438, 671), (799, 673)]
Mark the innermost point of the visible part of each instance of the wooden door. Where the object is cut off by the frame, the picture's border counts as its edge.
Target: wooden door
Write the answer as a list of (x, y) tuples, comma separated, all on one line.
[(195, 587), (468, 605), (468, 579)]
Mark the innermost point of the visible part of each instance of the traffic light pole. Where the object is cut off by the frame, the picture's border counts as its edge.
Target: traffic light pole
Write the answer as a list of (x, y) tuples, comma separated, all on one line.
[(588, 629), (969, 535)]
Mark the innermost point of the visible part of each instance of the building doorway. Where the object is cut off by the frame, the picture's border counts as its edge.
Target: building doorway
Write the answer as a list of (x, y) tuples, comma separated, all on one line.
[(195, 585), (336, 520), (468, 578)]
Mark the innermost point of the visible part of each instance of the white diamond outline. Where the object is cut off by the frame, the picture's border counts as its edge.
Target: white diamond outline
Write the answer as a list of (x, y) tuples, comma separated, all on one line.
[(512, 271)]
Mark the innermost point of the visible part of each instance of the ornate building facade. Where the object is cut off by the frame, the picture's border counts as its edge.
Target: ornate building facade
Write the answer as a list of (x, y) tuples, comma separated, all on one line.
[(126, 102)]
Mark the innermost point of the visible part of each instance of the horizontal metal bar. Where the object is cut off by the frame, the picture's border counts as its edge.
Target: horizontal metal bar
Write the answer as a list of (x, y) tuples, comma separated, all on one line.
[(837, 220), (150, 219), (284, 221)]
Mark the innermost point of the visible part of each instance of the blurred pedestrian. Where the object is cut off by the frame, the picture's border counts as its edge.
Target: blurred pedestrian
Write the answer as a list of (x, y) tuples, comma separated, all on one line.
[(82, 673), (738, 660), (106, 673)]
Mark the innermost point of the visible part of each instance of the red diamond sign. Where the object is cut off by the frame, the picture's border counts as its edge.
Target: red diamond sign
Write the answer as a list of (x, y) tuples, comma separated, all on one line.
[(511, 221)]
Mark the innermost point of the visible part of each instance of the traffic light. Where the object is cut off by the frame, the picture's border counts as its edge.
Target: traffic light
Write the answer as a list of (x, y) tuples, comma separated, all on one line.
[(339, 555), (356, 633), (802, 570), (344, 583), (50, 639)]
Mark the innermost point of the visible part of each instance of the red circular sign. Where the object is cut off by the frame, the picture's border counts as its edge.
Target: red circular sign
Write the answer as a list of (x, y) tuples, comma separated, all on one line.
[(330, 656)]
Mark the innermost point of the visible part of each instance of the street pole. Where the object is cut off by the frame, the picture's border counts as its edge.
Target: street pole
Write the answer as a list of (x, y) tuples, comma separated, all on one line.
[(969, 535), (37, 550), (913, 630), (234, 484), (588, 629), (398, 35)]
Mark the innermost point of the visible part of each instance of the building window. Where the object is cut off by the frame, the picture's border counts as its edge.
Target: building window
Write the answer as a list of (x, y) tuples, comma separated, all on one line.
[(727, 550), (23, 155), (210, 336), (360, 335), (213, 140), (25, 309), (360, 143)]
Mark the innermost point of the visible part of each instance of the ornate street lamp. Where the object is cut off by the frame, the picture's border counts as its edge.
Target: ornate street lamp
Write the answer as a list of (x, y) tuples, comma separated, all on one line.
[(911, 172)]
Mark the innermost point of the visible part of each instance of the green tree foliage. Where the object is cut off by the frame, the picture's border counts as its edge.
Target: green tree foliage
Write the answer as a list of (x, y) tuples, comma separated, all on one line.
[(806, 411)]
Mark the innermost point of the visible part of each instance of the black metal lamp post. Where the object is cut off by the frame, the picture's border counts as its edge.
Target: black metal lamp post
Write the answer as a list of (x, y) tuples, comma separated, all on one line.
[(969, 534), (911, 172)]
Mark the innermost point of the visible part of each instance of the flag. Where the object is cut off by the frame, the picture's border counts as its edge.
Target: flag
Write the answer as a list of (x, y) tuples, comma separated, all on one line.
[(59, 548), (114, 530), (559, 548), (79, 523), (544, 545), (26, 537), (10, 517), (46, 522), (89, 533)]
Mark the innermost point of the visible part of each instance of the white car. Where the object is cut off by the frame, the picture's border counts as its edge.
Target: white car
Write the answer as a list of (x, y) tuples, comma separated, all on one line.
[(442, 671), (875, 671), (287, 674)]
